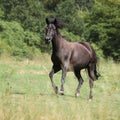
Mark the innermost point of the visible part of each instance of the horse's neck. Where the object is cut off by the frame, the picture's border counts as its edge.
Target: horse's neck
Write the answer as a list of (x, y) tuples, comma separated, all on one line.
[(56, 42)]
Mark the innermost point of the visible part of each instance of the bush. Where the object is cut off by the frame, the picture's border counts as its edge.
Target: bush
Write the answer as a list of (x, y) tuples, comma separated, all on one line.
[(70, 36), (98, 51), (4, 48), (32, 39), (17, 42)]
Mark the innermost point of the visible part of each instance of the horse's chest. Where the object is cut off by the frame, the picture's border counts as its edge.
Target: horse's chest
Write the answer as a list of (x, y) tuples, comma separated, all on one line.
[(55, 59)]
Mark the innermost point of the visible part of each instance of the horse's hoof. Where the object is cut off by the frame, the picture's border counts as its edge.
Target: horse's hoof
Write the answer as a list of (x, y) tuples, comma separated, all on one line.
[(61, 93), (90, 98), (77, 94)]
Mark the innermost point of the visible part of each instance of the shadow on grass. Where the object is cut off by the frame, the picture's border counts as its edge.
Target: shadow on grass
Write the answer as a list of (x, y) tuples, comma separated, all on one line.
[(51, 95), (65, 96)]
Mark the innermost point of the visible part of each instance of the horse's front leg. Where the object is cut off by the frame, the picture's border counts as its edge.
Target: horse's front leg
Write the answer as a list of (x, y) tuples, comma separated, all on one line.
[(64, 72), (80, 82), (51, 78), (52, 72)]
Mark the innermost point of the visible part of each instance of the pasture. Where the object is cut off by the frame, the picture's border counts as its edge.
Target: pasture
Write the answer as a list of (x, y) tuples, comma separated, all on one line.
[(26, 92)]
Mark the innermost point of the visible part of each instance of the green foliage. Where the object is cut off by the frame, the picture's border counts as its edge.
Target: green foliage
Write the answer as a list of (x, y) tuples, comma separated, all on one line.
[(68, 11), (32, 39), (70, 36), (85, 4), (103, 28), (4, 47), (97, 21), (51, 4), (13, 39), (1, 14), (98, 50), (27, 12)]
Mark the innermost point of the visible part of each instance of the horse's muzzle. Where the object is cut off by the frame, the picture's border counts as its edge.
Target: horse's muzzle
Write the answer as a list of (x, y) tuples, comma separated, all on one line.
[(47, 40)]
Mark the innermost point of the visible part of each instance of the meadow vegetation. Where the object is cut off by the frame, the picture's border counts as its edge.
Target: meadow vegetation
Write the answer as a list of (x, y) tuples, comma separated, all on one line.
[(26, 92)]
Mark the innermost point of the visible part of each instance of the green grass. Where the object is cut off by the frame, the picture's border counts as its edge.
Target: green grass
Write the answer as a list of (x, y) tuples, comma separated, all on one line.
[(26, 93)]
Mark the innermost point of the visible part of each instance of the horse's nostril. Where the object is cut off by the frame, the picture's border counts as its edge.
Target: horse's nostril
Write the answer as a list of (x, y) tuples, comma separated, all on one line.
[(47, 39)]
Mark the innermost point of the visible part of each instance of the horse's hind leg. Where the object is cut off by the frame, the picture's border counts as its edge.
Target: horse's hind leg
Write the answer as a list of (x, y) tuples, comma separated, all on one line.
[(52, 72), (91, 79), (80, 82), (91, 86)]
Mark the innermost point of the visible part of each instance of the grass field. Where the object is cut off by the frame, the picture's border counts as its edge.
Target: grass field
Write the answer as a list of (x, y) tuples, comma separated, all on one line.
[(26, 92)]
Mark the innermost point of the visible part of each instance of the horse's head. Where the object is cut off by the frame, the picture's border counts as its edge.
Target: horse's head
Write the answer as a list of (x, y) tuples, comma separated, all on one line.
[(52, 29)]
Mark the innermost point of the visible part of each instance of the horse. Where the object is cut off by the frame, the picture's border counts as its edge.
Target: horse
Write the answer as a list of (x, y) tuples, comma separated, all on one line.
[(70, 56)]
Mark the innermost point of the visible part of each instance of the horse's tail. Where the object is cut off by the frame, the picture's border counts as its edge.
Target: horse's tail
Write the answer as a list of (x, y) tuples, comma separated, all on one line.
[(93, 71), (96, 66), (96, 73)]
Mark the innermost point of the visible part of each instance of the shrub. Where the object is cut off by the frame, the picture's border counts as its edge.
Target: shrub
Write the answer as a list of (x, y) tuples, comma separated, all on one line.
[(15, 41)]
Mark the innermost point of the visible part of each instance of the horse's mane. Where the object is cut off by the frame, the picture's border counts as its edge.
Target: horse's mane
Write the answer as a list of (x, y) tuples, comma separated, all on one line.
[(57, 22)]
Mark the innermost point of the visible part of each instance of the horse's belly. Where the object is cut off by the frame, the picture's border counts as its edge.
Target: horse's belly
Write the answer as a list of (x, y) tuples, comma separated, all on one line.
[(70, 68)]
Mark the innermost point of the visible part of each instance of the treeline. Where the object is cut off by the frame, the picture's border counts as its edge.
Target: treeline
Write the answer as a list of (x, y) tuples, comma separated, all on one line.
[(22, 25)]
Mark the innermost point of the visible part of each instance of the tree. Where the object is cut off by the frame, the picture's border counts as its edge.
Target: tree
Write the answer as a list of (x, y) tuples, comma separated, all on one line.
[(68, 11), (103, 28), (15, 41), (85, 5)]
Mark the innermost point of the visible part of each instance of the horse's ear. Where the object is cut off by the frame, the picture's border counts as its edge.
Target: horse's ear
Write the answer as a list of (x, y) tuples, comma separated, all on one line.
[(47, 21), (55, 22)]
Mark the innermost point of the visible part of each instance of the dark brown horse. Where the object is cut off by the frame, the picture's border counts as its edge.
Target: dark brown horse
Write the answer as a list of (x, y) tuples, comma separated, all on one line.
[(70, 56)]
